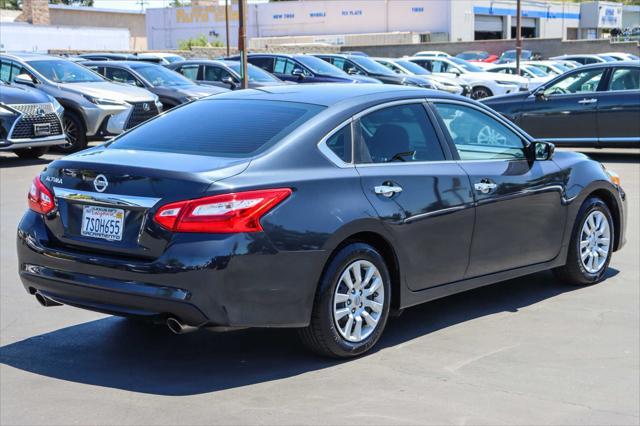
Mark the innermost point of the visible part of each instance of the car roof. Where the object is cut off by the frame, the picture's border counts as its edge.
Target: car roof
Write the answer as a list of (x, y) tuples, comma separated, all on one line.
[(121, 63), (207, 61), (329, 94), (611, 64), (31, 56)]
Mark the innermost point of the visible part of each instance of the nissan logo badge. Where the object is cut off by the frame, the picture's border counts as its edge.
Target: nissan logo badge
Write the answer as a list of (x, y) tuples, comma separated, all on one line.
[(100, 183)]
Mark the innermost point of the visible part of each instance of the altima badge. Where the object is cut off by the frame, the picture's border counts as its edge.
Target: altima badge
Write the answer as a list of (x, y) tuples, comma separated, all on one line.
[(100, 183)]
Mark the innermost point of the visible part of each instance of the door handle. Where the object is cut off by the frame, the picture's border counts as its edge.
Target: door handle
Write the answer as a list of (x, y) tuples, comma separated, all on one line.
[(588, 101), (485, 186), (387, 190)]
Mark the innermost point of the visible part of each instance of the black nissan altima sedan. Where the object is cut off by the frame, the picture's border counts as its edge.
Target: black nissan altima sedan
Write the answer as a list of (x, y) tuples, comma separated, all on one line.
[(319, 207)]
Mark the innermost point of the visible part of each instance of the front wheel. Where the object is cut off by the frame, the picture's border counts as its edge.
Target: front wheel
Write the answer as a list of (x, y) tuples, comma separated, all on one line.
[(591, 245), (75, 133), (352, 303), (480, 92)]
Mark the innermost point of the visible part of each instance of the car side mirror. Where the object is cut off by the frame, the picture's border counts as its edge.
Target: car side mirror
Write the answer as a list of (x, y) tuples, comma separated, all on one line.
[(455, 72), (24, 79), (298, 73), (543, 150), (539, 94), (229, 80), (352, 71)]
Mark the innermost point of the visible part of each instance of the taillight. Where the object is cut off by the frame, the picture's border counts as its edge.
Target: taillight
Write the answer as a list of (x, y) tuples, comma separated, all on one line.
[(226, 213), (40, 198)]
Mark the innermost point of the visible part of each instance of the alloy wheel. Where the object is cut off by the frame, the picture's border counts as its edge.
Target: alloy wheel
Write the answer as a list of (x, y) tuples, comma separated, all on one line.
[(71, 132), (358, 301), (595, 241)]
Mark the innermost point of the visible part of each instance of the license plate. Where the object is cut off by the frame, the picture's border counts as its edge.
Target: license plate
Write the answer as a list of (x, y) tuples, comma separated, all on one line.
[(102, 222), (42, 129)]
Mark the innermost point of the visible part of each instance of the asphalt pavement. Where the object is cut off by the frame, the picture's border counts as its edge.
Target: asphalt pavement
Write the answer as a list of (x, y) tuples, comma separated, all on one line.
[(527, 351)]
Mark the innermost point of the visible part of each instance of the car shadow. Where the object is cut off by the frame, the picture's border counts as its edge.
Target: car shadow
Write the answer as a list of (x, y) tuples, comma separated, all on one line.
[(124, 354), (9, 161)]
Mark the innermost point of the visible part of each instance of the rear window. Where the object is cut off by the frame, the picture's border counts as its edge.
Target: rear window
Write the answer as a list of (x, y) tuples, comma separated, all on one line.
[(220, 128)]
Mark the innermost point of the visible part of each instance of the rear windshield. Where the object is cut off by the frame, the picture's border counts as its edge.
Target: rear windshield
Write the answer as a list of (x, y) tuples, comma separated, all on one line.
[(220, 128)]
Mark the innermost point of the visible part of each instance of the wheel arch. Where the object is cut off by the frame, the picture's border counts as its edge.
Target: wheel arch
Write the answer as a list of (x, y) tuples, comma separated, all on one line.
[(610, 200), (388, 253)]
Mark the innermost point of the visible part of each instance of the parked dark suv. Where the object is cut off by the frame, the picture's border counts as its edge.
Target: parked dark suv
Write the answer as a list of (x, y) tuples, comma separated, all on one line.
[(225, 74), (303, 69), (594, 105), (172, 88)]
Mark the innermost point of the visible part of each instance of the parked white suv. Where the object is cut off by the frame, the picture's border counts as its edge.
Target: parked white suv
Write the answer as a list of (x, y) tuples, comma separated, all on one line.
[(483, 84), (534, 75)]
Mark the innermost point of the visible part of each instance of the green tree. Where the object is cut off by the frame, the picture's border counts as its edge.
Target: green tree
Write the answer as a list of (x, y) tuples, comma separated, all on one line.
[(200, 41), (73, 2), (10, 4)]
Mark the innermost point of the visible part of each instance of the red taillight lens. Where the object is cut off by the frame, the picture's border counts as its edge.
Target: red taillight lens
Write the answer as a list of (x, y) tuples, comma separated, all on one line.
[(226, 213), (40, 198)]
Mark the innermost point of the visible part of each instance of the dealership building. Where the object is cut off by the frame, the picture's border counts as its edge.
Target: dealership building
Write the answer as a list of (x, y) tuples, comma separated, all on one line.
[(432, 20)]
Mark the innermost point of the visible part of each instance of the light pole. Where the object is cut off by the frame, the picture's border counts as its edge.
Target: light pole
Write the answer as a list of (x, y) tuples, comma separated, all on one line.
[(518, 35), (226, 22), (242, 42)]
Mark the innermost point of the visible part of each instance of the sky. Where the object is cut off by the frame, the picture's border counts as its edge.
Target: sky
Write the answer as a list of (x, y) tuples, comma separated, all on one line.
[(129, 4)]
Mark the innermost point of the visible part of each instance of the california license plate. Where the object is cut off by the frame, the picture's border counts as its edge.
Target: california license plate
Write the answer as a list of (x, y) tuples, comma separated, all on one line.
[(102, 222)]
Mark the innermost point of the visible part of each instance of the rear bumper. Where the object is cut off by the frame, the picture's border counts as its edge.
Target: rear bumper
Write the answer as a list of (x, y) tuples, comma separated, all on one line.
[(237, 280)]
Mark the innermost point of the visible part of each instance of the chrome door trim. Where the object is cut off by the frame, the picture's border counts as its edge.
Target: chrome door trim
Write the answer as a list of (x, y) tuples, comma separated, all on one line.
[(438, 212), (105, 199)]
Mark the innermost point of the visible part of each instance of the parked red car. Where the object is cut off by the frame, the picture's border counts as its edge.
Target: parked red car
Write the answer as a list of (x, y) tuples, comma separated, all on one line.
[(477, 56)]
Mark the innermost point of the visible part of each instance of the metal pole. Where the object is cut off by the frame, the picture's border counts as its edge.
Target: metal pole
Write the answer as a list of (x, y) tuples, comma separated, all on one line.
[(518, 35), (242, 43), (226, 21)]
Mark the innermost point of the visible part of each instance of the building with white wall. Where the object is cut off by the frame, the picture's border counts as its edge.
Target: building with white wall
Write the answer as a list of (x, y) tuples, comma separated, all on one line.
[(460, 20)]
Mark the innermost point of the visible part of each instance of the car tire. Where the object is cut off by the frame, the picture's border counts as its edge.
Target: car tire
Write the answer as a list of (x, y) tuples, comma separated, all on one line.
[(480, 92), (75, 133), (331, 331), (32, 153), (592, 237)]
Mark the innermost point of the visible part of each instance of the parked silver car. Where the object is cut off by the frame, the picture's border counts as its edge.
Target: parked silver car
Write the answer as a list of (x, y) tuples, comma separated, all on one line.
[(94, 107)]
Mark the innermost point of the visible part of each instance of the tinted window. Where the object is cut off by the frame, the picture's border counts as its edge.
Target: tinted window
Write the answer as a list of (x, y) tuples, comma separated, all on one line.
[(121, 76), (255, 73), (577, 82), (340, 143), (5, 71), (189, 71), (212, 73), (398, 133), (264, 63), (625, 79), (284, 66), (233, 128), (160, 76), (478, 136)]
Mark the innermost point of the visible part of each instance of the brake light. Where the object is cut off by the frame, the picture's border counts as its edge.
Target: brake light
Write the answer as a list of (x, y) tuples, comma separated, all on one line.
[(226, 213), (40, 198)]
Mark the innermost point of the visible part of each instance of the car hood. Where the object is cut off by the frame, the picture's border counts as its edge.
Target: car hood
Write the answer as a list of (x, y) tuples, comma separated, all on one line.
[(17, 94), (195, 90), (109, 90), (443, 79), (364, 79)]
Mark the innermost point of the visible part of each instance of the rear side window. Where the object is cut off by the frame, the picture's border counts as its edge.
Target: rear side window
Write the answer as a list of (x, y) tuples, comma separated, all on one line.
[(264, 63), (221, 128), (625, 79), (189, 71), (340, 143)]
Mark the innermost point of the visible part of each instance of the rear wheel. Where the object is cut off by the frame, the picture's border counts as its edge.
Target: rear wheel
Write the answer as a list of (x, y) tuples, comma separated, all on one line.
[(75, 132), (480, 92), (591, 245), (352, 303), (32, 153)]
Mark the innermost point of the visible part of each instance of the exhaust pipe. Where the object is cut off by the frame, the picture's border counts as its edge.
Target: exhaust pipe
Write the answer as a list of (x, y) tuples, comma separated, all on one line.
[(45, 301), (177, 327)]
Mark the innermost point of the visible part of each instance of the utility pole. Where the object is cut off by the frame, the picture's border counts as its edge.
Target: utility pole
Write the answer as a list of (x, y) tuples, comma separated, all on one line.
[(242, 42), (518, 35), (226, 21)]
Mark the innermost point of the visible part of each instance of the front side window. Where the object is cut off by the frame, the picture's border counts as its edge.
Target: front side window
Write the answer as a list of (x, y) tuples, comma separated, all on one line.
[(212, 73), (232, 128), (625, 79), (189, 71), (284, 66), (577, 82), (121, 76), (5, 71), (439, 66), (401, 133), (478, 136), (158, 75)]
